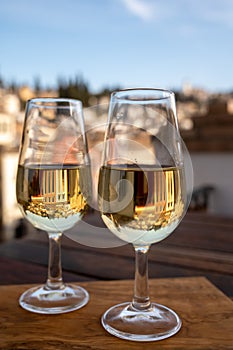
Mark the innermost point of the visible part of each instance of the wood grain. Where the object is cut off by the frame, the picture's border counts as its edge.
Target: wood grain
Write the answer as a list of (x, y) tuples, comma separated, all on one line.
[(207, 316)]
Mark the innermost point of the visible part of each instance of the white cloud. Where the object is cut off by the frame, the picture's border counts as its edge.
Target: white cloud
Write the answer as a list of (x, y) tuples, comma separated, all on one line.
[(208, 11), (140, 8)]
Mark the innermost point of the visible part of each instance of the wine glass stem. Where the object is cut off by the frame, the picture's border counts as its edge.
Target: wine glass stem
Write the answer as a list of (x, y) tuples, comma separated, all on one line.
[(141, 300), (54, 280)]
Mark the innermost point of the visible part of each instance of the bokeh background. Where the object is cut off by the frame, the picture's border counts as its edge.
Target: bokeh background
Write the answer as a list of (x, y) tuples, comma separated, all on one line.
[(86, 49)]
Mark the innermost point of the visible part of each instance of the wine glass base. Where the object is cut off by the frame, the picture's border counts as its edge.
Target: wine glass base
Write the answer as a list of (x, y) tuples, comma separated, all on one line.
[(157, 323), (48, 301)]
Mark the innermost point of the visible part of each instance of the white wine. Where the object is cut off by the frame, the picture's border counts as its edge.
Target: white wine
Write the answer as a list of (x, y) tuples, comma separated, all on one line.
[(141, 205), (52, 197)]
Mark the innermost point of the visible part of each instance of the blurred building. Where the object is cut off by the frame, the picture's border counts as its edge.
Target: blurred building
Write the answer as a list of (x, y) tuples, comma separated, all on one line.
[(11, 124), (210, 144), (206, 123)]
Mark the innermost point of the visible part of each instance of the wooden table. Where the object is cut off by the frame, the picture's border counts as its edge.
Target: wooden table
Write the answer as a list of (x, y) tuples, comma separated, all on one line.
[(206, 313)]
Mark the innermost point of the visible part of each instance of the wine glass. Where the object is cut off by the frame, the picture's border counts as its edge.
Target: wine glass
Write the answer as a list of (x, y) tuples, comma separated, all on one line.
[(52, 191), (142, 198)]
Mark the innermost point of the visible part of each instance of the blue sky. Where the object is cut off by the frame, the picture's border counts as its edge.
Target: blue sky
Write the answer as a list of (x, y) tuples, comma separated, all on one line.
[(131, 43)]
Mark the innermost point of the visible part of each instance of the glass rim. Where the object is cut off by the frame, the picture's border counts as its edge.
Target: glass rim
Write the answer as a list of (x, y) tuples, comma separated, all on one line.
[(142, 94), (53, 102)]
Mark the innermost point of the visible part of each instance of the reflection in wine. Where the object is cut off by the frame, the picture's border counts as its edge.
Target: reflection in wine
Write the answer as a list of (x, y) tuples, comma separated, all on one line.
[(52, 197), (141, 204)]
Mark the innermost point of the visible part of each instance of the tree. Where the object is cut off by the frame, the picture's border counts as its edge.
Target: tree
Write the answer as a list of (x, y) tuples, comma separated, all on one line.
[(75, 88), (37, 84)]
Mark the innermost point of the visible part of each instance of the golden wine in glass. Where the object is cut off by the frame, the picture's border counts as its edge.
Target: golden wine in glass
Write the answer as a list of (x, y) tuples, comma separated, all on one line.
[(142, 198), (52, 191)]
